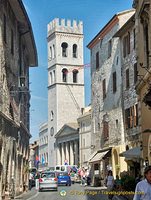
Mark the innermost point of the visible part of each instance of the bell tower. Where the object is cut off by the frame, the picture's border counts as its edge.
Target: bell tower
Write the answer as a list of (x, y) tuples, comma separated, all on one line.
[(65, 78)]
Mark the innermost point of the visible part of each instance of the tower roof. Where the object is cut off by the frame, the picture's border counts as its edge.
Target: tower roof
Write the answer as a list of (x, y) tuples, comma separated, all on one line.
[(64, 27)]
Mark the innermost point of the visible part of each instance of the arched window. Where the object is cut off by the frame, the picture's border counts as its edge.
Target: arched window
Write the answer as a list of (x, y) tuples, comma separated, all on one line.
[(50, 53), (74, 51), (51, 116), (64, 49), (64, 74), (11, 111), (51, 131), (54, 53), (75, 75), (54, 76), (51, 80)]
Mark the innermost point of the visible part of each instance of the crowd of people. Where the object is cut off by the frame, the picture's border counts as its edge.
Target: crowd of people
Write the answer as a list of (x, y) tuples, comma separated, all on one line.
[(83, 176)]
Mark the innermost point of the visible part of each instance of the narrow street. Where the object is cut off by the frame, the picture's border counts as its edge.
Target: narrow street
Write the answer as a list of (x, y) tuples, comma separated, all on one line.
[(75, 192)]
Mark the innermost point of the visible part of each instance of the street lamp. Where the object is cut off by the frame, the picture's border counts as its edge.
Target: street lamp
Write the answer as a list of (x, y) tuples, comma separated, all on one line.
[(106, 117)]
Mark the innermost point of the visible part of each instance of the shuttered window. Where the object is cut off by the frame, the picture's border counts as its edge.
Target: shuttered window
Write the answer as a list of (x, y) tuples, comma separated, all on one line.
[(135, 73), (4, 28), (128, 43), (124, 53), (109, 48), (104, 88), (127, 118), (134, 35), (127, 79), (114, 82), (105, 129), (97, 60), (136, 114), (12, 42), (131, 117)]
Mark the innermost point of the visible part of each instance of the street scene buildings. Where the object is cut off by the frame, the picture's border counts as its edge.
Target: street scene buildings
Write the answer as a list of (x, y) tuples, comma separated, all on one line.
[(112, 133)]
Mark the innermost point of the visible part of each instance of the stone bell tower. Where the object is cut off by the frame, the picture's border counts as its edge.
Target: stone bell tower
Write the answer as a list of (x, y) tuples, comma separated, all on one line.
[(65, 78)]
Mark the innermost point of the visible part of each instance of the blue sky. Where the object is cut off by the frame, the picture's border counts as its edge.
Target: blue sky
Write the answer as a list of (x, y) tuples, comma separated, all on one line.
[(94, 14)]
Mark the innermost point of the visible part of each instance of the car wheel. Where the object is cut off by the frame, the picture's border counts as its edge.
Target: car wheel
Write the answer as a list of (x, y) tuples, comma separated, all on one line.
[(70, 184), (66, 184)]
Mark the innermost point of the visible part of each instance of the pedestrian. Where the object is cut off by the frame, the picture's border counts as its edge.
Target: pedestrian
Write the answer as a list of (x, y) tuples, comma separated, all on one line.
[(88, 177), (72, 175), (110, 183), (84, 178), (30, 180), (37, 177), (143, 188), (117, 183)]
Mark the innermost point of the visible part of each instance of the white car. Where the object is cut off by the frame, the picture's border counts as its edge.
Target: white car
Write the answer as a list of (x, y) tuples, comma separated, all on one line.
[(48, 180)]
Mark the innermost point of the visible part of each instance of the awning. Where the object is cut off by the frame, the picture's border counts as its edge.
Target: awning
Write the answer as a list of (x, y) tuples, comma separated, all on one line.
[(98, 156), (92, 155), (132, 153)]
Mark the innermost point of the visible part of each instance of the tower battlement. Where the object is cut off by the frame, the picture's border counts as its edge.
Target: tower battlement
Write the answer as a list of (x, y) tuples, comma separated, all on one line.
[(65, 26)]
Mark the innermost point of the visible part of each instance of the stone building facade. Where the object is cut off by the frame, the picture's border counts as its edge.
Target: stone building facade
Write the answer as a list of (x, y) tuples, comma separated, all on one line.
[(84, 122), (130, 99), (106, 81), (17, 53), (143, 52), (43, 145), (65, 79)]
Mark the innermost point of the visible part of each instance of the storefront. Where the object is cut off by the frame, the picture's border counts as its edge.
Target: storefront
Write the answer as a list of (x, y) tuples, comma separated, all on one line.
[(100, 163), (133, 159)]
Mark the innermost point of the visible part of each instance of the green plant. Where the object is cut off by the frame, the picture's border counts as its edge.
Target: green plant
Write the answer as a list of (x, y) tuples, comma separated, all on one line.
[(117, 167), (128, 183), (26, 169)]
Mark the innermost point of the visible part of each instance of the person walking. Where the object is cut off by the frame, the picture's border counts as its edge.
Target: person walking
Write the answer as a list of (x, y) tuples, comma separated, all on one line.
[(37, 177), (110, 183), (117, 183), (30, 180), (143, 188)]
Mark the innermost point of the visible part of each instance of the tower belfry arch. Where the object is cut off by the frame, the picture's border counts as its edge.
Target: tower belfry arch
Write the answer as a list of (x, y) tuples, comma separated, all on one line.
[(65, 87)]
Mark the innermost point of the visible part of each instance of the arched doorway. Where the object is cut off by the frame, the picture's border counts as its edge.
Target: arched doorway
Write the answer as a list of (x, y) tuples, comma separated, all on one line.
[(115, 163)]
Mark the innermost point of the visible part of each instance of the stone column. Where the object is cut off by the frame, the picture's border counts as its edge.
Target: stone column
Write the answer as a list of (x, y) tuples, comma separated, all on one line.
[(71, 154), (63, 154), (76, 152), (58, 155), (67, 151)]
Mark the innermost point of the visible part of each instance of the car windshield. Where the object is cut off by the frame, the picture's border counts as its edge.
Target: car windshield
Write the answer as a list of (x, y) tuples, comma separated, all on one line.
[(48, 175), (63, 174)]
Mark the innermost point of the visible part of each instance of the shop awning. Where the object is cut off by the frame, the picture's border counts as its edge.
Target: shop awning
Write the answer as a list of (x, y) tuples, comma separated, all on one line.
[(132, 153), (98, 156)]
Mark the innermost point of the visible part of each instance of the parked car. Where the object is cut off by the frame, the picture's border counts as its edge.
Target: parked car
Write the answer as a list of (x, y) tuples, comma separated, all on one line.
[(48, 180), (64, 178)]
